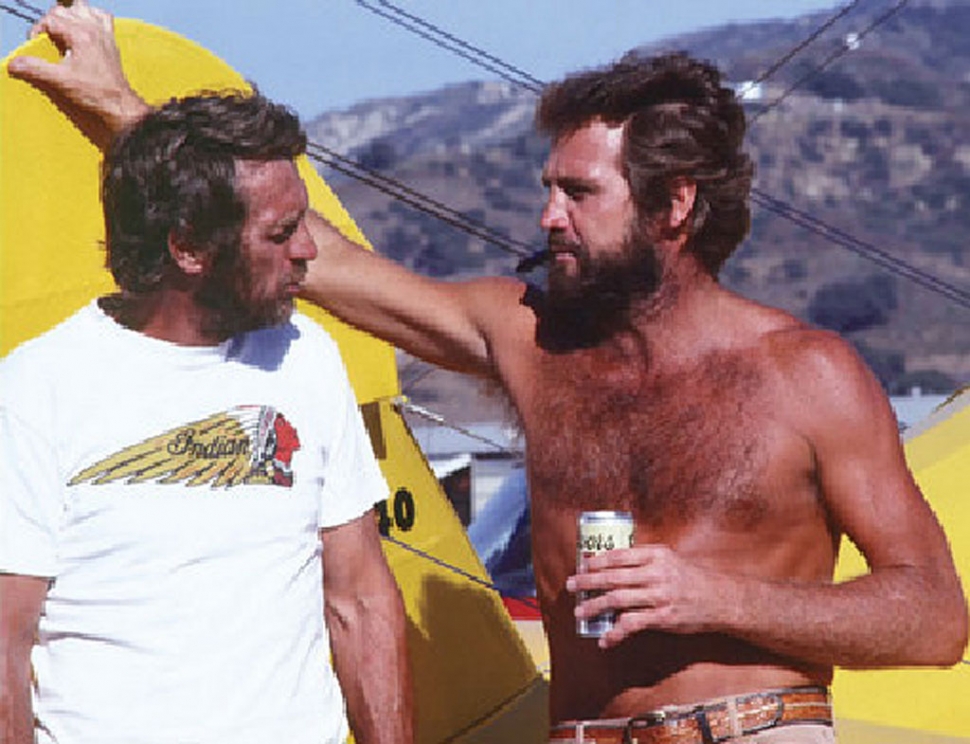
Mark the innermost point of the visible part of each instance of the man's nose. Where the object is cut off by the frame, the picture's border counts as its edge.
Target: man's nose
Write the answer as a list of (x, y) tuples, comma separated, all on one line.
[(302, 247), (553, 214)]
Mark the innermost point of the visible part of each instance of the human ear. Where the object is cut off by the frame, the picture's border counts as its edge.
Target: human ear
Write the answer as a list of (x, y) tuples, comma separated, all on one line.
[(683, 193), (186, 256)]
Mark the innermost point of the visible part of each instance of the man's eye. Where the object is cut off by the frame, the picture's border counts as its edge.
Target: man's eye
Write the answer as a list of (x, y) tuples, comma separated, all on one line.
[(281, 237)]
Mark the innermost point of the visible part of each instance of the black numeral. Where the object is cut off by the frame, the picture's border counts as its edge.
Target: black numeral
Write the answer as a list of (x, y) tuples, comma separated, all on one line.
[(400, 516)]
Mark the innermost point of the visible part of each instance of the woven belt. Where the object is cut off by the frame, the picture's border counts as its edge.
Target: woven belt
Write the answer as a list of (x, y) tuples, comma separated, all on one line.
[(709, 723)]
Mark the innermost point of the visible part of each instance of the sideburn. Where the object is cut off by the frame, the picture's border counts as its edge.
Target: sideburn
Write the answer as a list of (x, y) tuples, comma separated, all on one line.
[(223, 294)]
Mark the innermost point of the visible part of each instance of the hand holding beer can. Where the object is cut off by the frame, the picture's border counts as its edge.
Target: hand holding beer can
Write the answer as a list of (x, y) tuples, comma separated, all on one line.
[(600, 531)]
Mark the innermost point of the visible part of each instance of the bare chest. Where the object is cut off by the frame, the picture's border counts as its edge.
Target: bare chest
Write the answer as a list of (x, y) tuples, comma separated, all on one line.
[(702, 443)]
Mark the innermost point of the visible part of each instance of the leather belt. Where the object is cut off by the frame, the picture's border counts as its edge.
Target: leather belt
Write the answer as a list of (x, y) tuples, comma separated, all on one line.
[(709, 723)]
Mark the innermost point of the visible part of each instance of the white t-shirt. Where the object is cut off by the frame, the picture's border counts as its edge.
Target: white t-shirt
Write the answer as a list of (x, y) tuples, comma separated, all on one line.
[(174, 495)]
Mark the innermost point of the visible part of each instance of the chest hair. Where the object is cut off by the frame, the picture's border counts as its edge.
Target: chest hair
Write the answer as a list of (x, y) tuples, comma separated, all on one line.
[(670, 446)]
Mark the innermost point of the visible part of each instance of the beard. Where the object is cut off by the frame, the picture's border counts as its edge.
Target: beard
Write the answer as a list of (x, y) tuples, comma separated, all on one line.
[(232, 304), (597, 301)]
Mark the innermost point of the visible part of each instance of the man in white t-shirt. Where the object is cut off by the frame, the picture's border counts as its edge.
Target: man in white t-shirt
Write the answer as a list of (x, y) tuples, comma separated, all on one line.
[(186, 489)]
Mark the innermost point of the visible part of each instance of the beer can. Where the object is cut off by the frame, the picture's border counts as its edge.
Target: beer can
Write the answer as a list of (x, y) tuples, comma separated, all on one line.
[(598, 532)]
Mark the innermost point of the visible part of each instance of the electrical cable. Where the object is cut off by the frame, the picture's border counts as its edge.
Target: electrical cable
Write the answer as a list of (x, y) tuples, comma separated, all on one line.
[(783, 209), (862, 248), (445, 40), (786, 58), (837, 54), (19, 13), (416, 199)]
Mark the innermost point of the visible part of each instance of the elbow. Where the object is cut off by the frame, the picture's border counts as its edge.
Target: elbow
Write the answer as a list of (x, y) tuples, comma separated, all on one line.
[(950, 636), (957, 646)]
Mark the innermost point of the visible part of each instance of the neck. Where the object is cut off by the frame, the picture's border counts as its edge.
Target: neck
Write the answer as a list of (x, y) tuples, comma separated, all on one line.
[(673, 322), (168, 314)]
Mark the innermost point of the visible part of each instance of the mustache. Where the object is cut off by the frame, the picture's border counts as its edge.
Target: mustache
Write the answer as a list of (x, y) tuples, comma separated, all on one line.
[(554, 243)]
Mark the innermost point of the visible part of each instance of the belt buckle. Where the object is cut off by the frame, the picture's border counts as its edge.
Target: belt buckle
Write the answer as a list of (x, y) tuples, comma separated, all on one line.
[(646, 720)]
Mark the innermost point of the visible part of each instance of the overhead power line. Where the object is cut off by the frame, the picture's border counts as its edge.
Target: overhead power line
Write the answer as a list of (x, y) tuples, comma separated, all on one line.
[(416, 199), (837, 54), (445, 40), (861, 248), (31, 14), (786, 58)]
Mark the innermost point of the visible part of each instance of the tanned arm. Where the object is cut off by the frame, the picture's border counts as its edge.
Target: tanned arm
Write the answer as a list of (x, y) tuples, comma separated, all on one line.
[(910, 608), (21, 600), (367, 625), (447, 323)]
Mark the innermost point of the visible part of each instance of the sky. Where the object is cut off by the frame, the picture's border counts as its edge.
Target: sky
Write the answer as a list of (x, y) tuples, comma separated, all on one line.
[(320, 55)]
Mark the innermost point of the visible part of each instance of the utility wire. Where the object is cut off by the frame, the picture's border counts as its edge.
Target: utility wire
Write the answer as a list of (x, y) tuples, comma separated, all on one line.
[(31, 8), (784, 60), (860, 247), (844, 48), (416, 199), (783, 209), (19, 13), (445, 40)]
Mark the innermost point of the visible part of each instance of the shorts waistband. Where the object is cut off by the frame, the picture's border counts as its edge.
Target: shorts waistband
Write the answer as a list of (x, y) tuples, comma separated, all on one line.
[(707, 723)]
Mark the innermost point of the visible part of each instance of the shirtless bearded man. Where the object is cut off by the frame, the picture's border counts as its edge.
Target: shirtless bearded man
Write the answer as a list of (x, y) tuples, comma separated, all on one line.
[(744, 442)]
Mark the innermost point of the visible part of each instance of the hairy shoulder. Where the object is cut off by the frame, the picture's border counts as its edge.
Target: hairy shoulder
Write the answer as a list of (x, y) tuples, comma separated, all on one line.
[(827, 382)]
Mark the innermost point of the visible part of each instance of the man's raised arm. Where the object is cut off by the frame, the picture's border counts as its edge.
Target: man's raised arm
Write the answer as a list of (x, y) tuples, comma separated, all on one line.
[(446, 323), (89, 81)]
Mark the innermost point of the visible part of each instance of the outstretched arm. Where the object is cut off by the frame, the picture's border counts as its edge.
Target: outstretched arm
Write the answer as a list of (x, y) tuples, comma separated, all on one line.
[(447, 323), (365, 618)]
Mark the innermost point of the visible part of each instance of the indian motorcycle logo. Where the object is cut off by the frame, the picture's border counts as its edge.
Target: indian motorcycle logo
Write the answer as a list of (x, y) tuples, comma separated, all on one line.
[(247, 445)]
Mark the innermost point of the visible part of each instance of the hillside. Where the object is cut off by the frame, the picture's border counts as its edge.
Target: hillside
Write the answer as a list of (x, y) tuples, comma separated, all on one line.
[(876, 145)]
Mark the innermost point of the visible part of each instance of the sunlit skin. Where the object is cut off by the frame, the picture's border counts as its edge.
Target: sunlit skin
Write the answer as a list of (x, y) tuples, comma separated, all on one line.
[(262, 280), (275, 244), (690, 417), (588, 207)]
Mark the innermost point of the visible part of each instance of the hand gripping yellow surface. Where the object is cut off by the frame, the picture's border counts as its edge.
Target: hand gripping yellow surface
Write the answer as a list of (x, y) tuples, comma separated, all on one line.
[(474, 679)]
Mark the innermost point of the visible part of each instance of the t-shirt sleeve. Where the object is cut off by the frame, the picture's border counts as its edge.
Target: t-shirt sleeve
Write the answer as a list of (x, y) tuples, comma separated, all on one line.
[(29, 499), (353, 481)]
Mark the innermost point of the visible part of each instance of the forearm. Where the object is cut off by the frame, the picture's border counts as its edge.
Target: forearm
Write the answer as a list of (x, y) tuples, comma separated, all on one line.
[(367, 636), (16, 711), (896, 616), (20, 601)]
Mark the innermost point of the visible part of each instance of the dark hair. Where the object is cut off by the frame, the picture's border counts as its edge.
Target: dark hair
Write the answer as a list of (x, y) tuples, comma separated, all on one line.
[(173, 173), (679, 121)]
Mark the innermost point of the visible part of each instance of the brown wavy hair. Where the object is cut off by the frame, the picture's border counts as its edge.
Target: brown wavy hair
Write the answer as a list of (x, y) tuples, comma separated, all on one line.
[(173, 173), (680, 121)]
